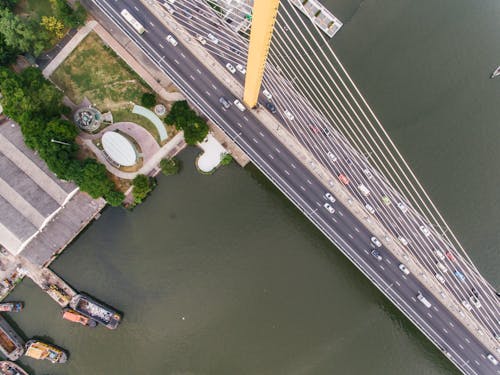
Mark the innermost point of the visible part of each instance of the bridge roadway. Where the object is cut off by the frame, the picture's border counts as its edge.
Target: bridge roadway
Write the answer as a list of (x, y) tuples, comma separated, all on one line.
[(298, 184)]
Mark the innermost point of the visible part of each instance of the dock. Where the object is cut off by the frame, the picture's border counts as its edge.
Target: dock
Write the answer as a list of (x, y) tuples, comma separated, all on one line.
[(319, 15)]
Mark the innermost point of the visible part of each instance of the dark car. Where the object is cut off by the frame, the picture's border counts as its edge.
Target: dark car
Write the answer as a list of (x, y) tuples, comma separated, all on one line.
[(224, 102), (271, 107), (376, 255), (326, 131)]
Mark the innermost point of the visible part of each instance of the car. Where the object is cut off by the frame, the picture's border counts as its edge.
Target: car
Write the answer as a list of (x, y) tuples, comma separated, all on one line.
[(168, 7), (201, 39), (239, 105), (171, 40), (332, 156), (224, 102), (459, 275), (450, 256), (404, 269), (425, 230), (213, 38), (326, 131), (439, 254), (234, 49), (187, 14), (343, 178), (330, 197), (442, 267), (289, 115), (402, 207), (440, 278), (376, 254), (267, 94), (231, 68), (475, 301), (271, 107), (492, 359), (375, 241), (369, 208), (329, 208), (403, 240), (368, 174), (364, 190), (386, 200), (240, 68), (314, 129), (467, 305)]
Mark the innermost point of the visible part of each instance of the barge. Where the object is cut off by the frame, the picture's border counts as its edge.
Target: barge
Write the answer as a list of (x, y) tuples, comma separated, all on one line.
[(89, 307), (11, 306), (40, 350), (11, 368), (11, 344), (76, 317)]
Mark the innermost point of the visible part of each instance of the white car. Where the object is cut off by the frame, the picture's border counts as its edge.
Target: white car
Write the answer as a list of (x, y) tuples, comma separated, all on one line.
[(440, 278), (404, 269), (169, 8), (492, 359), (213, 38), (425, 230), (368, 174), (467, 305), (201, 40), (231, 68), (375, 241), (442, 267), (439, 254), (369, 208), (329, 197), (402, 207), (331, 156), (403, 240), (171, 40), (239, 105), (475, 301), (289, 115), (329, 208), (267, 94), (240, 68)]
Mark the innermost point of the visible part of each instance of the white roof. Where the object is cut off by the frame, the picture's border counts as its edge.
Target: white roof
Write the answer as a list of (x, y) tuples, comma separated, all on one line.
[(119, 148)]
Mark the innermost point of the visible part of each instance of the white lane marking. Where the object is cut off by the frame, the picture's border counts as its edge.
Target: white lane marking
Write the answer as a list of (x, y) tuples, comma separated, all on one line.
[(214, 87), (477, 362), (183, 55), (334, 219), (161, 45), (190, 76), (277, 150), (177, 62), (397, 283), (461, 347), (309, 182), (482, 355), (261, 134), (206, 92), (435, 308), (366, 251), (303, 188), (152, 24), (445, 330), (319, 204), (414, 299), (239, 124), (137, 9), (381, 266), (271, 156), (356, 229), (388, 261), (246, 118), (340, 213), (256, 141), (429, 315), (350, 236), (468, 342), (293, 166), (198, 71), (451, 324), (403, 276), (288, 173)]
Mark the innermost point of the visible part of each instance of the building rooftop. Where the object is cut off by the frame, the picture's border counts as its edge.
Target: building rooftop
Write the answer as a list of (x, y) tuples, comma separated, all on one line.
[(119, 149)]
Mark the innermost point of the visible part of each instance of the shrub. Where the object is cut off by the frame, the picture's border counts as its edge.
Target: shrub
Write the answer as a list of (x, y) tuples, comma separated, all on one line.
[(169, 166), (148, 100)]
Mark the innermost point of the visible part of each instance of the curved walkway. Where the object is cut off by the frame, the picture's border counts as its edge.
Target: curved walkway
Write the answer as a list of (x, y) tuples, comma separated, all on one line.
[(151, 116)]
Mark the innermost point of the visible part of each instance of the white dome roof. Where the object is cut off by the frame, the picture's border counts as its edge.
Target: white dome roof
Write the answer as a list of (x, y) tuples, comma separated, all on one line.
[(119, 148)]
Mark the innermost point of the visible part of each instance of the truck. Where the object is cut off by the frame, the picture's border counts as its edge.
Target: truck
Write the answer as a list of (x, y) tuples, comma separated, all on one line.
[(132, 21), (424, 301)]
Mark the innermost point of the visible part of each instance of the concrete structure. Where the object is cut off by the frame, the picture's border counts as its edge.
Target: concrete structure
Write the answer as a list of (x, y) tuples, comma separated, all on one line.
[(264, 16), (119, 149), (88, 119), (30, 195), (212, 154)]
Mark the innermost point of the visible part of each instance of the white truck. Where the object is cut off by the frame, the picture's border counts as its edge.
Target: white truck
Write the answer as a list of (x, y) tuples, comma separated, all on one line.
[(424, 301)]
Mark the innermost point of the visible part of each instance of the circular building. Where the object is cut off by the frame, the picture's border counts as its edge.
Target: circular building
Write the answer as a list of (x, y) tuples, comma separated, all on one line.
[(88, 119), (118, 149)]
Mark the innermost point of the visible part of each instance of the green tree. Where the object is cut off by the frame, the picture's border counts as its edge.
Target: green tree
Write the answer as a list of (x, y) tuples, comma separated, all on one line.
[(63, 11), (24, 36), (169, 166), (226, 158), (93, 179), (7, 53), (184, 118), (8, 4), (148, 100), (53, 26), (114, 198), (142, 186)]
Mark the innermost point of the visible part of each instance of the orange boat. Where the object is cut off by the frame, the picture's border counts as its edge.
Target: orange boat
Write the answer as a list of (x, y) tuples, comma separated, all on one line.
[(76, 317)]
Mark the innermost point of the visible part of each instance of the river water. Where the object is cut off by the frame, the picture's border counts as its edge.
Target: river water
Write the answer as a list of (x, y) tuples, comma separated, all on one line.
[(221, 275)]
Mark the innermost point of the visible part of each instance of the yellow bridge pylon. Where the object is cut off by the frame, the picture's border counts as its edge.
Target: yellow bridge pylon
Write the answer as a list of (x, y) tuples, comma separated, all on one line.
[(263, 18)]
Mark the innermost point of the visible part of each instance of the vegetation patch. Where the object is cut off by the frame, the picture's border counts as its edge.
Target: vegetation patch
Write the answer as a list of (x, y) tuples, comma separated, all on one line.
[(184, 118)]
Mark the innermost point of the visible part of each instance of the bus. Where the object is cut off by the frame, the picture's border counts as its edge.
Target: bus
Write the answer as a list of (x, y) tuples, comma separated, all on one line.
[(131, 20)]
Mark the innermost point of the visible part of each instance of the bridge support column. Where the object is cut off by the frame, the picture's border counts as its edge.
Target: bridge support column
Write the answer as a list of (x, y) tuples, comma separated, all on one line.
[(263, 17)]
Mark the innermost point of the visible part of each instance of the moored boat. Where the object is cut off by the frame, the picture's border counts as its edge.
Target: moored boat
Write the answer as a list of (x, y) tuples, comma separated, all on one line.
[(95, 310), (76, 317), (496, 72), (11, 344), (39, 350), (11, 368), (11, 306)]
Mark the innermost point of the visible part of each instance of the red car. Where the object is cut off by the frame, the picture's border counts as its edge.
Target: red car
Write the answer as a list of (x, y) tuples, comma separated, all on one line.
[(314, 129), (343, 179), (450, 256)]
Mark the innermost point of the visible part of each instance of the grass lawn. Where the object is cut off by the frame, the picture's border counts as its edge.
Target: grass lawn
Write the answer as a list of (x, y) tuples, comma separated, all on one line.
[(34, 8)]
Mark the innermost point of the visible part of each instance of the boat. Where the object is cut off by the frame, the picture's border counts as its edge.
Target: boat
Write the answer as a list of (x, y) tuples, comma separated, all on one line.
[(11, 368), (11, 306), (76, 317), (11, 344), (39, 350), (105, 315), (496, 72)]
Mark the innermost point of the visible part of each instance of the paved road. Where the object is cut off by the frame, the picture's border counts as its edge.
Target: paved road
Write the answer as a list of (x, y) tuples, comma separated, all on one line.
[(299, 185)]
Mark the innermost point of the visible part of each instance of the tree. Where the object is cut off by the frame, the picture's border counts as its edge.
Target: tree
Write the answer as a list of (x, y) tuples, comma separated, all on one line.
[(148, 100), (142, 186), (8, 4), (226, 158), (184, 118), (7, 53), (24, 36), (63, 11), (169, 166), (53, 26), (114, 198), (92, 178)]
